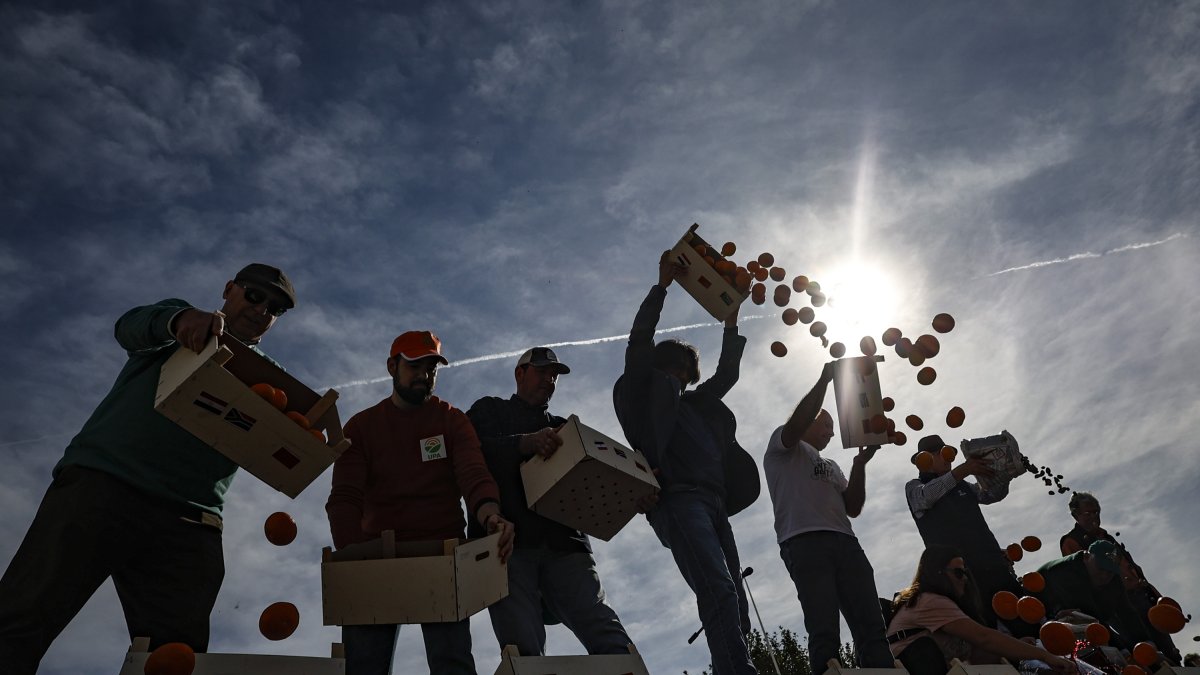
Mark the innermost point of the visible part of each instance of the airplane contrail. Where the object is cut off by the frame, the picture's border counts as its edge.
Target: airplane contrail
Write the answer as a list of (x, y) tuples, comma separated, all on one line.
[(1086, 255)]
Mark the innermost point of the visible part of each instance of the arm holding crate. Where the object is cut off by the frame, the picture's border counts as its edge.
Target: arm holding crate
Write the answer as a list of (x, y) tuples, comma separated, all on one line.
[(149, 328)]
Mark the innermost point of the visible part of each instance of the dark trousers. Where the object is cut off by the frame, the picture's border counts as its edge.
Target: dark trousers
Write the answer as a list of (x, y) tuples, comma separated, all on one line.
[(91, 526), (832, 574), (371, 648)]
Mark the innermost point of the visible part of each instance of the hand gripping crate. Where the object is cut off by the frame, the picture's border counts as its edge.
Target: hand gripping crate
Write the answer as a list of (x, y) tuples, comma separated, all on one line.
[(856, 389), (512, 663), (833, 667), (209, 395), (384, 581), (591, 483), (703, 281), (244, 664)]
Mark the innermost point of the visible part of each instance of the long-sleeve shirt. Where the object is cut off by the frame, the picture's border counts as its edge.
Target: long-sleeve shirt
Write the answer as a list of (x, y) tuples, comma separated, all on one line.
[(406, 470), (1068, 586), (500, 424), (127, 438), (659, 420), (923, 495)]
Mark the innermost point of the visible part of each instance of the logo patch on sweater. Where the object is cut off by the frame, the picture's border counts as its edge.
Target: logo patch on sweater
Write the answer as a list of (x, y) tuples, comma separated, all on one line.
[(433, 448)]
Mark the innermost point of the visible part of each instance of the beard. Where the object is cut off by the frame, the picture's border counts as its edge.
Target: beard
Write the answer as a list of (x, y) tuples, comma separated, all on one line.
[(413, 395)]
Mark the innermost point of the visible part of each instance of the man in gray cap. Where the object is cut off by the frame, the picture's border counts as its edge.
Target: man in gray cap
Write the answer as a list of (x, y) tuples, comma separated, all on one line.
[(551, 570), (136, 497)]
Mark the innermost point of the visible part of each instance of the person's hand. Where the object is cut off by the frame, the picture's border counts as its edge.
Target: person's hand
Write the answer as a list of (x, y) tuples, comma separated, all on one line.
[(193, 328), (497, 523), (865, 454), (543, 442), (826, 373), (975, 466), (731, 320), (669, 270)]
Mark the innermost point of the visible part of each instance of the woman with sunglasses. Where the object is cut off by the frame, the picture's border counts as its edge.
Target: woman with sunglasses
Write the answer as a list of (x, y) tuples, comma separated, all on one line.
[(940, 609)]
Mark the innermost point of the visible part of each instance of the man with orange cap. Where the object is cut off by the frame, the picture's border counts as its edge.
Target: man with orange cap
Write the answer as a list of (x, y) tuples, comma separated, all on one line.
[(136, 497), (412, 458)]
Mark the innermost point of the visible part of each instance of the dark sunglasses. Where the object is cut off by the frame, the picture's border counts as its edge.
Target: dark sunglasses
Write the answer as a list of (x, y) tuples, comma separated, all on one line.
[(960, 572), (257, 296)]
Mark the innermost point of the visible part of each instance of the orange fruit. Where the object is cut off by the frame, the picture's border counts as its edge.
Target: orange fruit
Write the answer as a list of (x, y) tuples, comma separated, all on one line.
[(899, 438), (758, 294), (280, 528), (928, 345), (1164, 600), (317, 434), (1097, 634), (728, 248), (924, 462), (783, 294), (700, 250), (778, 349), (806, 315), (1057, 638), (299, 418), (817, 329), (766, 259), (761, 274), (817, 299), (778, 274), (948, 453), (264, 390), (173, 658), (914, 422), (1004, 604), (1014, 552), (800, 283), (837, 350), (279, 399), (903, 347), (915, 357), (891, 336), (812, 288), (955, 417), (790, 316), (888, 403), (752, 266), (279, 621), (1031, 543), (943, 323), (1034, 582), (1030, 609), (741, 281), (926, 375), (877, 424), (1144, 653), (1166, 618), (867, 345), (891, 426)]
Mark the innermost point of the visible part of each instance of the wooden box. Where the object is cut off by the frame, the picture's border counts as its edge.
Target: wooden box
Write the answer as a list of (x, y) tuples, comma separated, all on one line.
[(389, 581), (703, 282), (243, 664), (591, 483), (209, 395), (512, 663), (856, 389), (833, 667), (1003, 668)]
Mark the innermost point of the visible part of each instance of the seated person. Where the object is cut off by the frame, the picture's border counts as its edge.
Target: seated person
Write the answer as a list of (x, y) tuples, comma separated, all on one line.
[(1085, 509), (942, 605)]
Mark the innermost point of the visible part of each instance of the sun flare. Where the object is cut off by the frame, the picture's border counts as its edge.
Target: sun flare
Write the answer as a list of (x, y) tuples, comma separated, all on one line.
[(862, 300)]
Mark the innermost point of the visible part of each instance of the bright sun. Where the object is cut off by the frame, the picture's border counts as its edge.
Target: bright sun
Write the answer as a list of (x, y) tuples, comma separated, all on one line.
[(862, 301)]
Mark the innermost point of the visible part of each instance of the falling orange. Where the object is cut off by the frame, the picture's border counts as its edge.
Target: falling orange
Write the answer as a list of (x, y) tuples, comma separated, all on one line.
[(878, 424), (279, 621), (1004, 604), (1097, 634), (1166, 618), (806, 314), (903, 347), (955, 417), (783, 294), (173, 658), (790, 316), (1033, 582), (1030, 609), (766, 259), (1144, 653), (924, 462), (899, 438), (280, 528), (761, 274), (837, 350), (1014, 552), (817, 329), (1166, 600), (758, 293), (928, 345), (948, 453), (915, 357), (1057, 638), (778, 274), (1031, 543), (778, 348), (812, 288), (943, 323), (888, 404), (914, 422), (817, 299), (728, 249), (753, 266), (926, 375), (867, 345), (800, 283), (891, 336)]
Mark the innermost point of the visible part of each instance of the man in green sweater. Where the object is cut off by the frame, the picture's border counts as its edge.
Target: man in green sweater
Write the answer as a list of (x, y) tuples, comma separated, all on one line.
[(136, 497)]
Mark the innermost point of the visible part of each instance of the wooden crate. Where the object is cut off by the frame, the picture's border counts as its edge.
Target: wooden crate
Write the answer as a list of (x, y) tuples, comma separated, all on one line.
[(591, 483), (1003, 668), (387, 581), (833, 667), (703, 282), (209, 395), (244, 664), (512, 663), (856, 390)]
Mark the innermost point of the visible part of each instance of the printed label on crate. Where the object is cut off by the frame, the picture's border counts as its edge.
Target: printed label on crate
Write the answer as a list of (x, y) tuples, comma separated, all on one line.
[(240, 419), (433, 448), (210, 403)]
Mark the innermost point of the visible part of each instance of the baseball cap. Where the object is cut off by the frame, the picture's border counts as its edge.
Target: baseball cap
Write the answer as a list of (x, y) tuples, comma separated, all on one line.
[(268, 277), (1105, 553), (417, 344), (542, 356)]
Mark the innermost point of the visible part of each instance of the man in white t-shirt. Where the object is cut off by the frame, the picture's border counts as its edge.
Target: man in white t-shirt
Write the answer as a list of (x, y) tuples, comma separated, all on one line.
[(814, 503)]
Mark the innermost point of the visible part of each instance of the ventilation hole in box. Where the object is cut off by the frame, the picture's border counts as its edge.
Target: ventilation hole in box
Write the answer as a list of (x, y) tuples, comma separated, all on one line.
[(286, 458)]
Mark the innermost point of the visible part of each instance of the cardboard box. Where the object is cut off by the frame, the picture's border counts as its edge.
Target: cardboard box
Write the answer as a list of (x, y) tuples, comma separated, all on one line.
[(512, 663), (856, 388), (1003, 455), (703, 282), (389, 581), (209, 395), (591, 483), (244, 664), (835, 668)]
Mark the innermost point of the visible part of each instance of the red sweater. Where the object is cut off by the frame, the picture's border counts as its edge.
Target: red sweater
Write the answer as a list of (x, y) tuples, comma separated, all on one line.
[(397, 476)]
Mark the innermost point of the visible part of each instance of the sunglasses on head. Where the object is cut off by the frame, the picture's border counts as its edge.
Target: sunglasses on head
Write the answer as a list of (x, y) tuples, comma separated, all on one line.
[(960, 572), (257, 296)]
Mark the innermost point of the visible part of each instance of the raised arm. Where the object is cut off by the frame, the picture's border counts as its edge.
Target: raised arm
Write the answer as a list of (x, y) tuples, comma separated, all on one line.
[(148, 328), (729, 364), (639, 354), (807, 410), (855, 494)]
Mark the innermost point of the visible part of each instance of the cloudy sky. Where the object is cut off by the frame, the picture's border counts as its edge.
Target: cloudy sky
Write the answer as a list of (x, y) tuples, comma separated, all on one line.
[(506, 174)]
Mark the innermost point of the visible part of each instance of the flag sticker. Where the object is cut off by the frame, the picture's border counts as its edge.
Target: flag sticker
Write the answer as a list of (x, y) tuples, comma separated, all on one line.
[(240, 419), (433, 448), (210, 403)]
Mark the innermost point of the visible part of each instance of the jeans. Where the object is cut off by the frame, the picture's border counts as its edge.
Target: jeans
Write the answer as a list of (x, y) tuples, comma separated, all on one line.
[(369, 649), (695, 527), (91, 526), (567, 584), (832, 574)]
